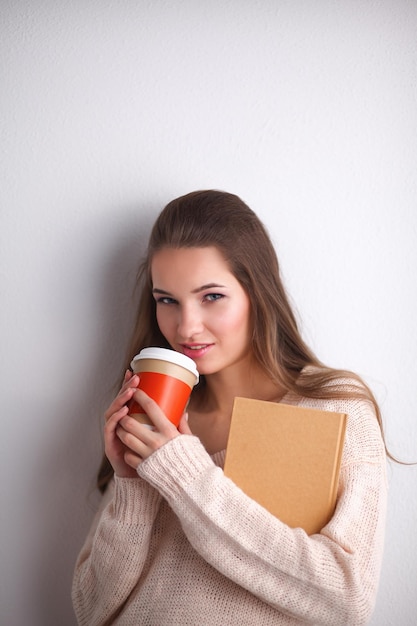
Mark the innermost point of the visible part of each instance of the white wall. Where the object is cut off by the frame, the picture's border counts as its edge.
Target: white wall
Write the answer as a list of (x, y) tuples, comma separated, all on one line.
[(305, 109)]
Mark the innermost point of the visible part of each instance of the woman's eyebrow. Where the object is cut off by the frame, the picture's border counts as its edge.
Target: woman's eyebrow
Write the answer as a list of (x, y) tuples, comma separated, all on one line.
[(208, 286), (197, 290), (161, 291)]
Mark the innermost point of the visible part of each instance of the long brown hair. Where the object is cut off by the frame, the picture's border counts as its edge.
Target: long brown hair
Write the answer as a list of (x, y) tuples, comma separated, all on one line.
[(223, 220)]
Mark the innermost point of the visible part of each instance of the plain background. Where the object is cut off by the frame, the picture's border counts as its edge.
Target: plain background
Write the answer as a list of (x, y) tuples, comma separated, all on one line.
[(308, 111)]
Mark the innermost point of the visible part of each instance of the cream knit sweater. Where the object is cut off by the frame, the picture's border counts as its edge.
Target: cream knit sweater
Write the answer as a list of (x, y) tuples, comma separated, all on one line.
[(181, 545)]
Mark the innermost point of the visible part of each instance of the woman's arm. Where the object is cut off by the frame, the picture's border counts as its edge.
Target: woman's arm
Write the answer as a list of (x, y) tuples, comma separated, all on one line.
[(111, 560), (328, 578)]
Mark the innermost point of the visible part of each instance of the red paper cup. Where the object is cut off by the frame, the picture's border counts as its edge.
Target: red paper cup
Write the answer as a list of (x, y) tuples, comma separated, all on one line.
[(168, 377)]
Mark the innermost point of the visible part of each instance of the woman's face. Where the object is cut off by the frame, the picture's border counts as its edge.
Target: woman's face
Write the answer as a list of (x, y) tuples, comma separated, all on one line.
[(201, 308)]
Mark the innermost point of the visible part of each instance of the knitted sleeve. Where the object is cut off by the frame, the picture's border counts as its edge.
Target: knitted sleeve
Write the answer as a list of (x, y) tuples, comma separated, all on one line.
[(111, 560), (328, 578)]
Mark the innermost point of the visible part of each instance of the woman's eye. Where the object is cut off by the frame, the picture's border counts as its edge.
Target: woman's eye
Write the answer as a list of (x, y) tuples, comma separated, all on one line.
[(165, 300), (212, 297)]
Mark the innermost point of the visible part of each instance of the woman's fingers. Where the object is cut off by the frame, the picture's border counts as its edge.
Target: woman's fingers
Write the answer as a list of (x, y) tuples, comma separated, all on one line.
[(155, 413), (113, 421), (127, 442), (125, 394), (129, 380), (114, 448), (183, 426), (121, 400), (132, 460), (141, 440)]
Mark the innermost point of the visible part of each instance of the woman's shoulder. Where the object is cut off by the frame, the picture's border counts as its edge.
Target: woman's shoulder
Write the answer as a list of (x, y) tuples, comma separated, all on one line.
[(346, 394)]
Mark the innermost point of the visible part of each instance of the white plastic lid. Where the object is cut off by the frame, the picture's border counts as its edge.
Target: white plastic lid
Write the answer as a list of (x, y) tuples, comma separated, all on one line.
[(165, 354)]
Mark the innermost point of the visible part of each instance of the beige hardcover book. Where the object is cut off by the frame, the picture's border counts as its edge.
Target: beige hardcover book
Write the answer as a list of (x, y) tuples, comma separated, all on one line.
[(287, 458)]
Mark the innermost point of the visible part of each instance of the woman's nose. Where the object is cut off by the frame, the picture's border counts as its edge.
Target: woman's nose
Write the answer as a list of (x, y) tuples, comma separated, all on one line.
[(190, 322)]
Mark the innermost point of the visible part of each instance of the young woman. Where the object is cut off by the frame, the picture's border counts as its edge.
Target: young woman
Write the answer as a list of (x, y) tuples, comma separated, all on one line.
[(175, 542)]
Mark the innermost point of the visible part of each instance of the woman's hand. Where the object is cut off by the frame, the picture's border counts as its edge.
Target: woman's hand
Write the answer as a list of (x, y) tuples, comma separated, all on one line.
[(140, 441), (113, 446), (127, 442)]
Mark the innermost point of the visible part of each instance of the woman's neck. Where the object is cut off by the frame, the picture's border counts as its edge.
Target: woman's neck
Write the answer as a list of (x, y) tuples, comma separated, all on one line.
[(210, 410), (223, 387)]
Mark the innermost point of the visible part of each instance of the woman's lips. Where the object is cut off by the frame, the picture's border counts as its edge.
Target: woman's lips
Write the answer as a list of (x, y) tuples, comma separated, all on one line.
[(197, 350)]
